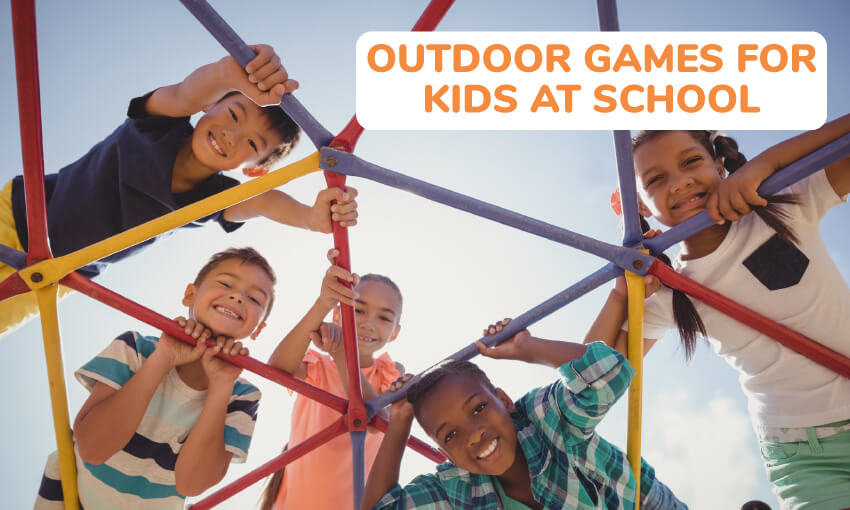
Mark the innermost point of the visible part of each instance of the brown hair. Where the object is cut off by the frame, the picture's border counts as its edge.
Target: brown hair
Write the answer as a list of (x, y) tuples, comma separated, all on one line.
[(372, 277), (425, 385), (246, 255), (688, 321)]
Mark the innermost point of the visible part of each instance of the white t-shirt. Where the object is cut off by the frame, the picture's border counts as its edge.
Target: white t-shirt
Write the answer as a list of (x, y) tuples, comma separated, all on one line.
[(809, 295)]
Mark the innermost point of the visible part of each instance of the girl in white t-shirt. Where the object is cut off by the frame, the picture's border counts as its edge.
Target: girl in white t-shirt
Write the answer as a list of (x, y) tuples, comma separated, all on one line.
[(773, 262)]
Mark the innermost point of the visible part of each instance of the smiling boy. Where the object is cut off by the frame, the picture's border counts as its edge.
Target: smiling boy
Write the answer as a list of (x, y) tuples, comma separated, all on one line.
[(165, 419), (540, 452)]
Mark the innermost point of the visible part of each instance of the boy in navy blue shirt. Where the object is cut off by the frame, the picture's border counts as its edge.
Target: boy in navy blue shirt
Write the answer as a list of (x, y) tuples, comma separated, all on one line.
[(157, 162)]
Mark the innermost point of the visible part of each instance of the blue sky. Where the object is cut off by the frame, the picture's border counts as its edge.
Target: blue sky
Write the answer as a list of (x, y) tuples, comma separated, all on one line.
[(457, 272)]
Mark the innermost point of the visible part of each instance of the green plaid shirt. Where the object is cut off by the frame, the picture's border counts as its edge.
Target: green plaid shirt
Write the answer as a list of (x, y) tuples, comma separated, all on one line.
[(570, 465)]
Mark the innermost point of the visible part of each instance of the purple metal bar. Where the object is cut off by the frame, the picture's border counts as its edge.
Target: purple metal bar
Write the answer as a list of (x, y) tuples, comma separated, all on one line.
[(234, 45), (12, 257), (556, 302), (348, 164), (358, 459)]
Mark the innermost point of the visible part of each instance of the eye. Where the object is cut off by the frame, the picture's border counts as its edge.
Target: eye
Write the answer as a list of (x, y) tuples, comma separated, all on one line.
[(233, 115), (359, 311), (386, 319), (654, 179), (255, 300), (692, 160), (224, 284), (253, 146), (480, 407), (449, 436)]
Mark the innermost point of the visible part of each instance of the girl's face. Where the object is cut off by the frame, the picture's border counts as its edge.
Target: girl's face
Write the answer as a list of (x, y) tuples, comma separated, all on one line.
[(377, 311), (675, 176)]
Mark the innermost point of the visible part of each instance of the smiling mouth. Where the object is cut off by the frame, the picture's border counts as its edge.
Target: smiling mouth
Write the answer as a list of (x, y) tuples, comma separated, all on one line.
[(489, 450), (227, 312), (215, 145), (366, 340), (690, 202)]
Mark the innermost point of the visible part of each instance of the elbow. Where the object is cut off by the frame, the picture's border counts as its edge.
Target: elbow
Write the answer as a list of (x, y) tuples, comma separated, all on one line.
[(91, 454)]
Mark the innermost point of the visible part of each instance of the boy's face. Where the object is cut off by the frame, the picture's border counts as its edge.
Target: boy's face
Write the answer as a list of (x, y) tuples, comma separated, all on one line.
[(377, 311), (675, 176), (232, 299), (471, 424), (232, 133)]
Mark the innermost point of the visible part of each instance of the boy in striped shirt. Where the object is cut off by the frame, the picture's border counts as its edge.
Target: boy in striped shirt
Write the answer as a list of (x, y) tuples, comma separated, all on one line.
[(165, 419), (539, 452)]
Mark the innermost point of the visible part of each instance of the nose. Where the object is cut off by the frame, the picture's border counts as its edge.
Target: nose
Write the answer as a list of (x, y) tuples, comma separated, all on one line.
[(231, 135), (476, 435), (236, 296), (681, 181)]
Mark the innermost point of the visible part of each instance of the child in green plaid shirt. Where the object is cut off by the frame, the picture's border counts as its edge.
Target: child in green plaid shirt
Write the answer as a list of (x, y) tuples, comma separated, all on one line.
[(540, 452)]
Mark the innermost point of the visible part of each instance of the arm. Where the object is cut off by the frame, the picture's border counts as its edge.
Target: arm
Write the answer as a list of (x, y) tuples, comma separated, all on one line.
[(265, 83), (282, 208), (109, 417), (203, 459), (290, 351), (606, 327), (736, 194)]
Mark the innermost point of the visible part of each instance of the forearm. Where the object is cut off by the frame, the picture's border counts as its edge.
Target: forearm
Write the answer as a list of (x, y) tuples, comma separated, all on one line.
[(365, 386), (108, 426), (551, 353), (385, 470), (274, 205), (203, 87), (789, 151), (606, 327), (203, 461), (290, 351)]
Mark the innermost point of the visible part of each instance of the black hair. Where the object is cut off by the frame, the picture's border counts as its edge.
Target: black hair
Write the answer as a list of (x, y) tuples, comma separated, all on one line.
[(425, 385), (688, 321), (283, 125), (372, 277), (273, 487)]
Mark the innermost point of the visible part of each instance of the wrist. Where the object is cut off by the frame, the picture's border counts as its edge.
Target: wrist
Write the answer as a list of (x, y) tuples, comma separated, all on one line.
[(163, 355)]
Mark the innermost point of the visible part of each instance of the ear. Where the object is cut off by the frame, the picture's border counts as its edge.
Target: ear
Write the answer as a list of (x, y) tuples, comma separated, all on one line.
[(395, 333), (189, 295), (721, 170), (506, 400), (256, 332), (643, 210)]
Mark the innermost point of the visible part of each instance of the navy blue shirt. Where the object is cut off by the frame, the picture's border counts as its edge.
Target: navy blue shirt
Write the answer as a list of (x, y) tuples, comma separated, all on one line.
[(122, 182)]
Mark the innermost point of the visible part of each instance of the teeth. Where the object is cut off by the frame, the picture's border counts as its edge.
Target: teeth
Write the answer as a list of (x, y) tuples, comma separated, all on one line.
[(215, 145), (227, 311), (365, 339), (490, 449)]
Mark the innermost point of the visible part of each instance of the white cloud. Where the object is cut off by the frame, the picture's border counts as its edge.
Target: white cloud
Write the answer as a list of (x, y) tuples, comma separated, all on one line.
[(702, 451)]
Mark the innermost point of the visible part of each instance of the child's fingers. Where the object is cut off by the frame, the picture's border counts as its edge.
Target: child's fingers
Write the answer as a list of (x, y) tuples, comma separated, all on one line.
[(263, 53), (333, 253), (269, 75), (711, 206), (753, 198), (290, 86)]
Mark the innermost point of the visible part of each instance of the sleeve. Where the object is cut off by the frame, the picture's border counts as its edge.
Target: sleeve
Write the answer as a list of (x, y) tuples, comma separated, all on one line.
[(214, 184), (240, 419), (816, 196), (145, 123), (425, 492), (116, 364), (588, 388)]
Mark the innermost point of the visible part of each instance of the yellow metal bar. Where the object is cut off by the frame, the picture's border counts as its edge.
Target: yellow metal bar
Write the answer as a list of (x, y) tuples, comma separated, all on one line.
[(58, 394), (637, 294), (52, 270)]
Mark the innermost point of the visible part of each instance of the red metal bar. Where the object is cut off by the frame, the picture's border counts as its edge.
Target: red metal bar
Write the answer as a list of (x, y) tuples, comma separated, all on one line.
[(786, 336), (12, 286), (432, 15), (414, 443), (428, 21), (308, 445), (106, 296), (29, 113)]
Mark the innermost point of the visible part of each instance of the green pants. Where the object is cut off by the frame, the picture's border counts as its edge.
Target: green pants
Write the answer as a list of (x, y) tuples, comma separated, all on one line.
[(811, 475)]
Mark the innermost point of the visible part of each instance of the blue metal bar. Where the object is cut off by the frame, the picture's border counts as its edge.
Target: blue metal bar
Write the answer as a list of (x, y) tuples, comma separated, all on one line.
[(556, 302), (792, 173), (234, 45), (12, 257), (348, 164), (608, 21), (358, 459), (632, 235)]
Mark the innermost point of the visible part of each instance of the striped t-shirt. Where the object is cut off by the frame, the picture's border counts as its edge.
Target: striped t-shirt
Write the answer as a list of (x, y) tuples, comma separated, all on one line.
[(141, 475)]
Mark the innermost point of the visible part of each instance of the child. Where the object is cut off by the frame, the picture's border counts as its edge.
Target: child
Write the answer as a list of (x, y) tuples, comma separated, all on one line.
[(540, 452), (377, 303), (156, 162), (165, 419), (780, 268)]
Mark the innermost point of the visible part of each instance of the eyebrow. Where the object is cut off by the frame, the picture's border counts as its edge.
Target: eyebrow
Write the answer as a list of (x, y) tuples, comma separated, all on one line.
[(257, 287), (680, 154), (263, 141), (384, 309), (465, 403)]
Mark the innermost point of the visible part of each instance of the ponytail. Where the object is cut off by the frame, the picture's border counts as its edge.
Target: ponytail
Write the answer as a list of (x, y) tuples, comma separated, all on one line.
[(688, 321), (273, 487)]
